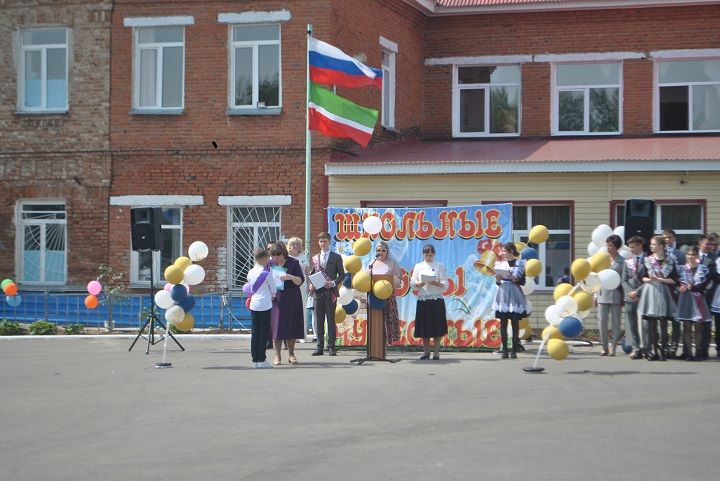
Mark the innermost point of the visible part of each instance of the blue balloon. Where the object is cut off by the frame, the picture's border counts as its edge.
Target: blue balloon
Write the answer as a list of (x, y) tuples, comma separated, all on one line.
[(178, 292), (351, 307), (13, 301), (570, 327), (529, 253), (188, 303), (626, 347), (375, 303), (347, 281)]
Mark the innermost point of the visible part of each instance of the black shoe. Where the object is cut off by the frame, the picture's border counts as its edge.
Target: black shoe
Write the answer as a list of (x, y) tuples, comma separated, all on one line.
[(505, 355), (653, 357), (636, 355), (317, 352), (513, 355), (663, 356), (436, 357), (332, 351), (425, 356), (682, 356)]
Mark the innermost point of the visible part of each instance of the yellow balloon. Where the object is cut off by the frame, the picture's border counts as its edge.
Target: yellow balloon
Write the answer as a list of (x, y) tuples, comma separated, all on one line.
[(352, 264), (182, 262), (562, 289), (362, 246), (382, 289), (361, 282), (558, 349), (533, 268), (520, 246), (173, 274), (600, 261), (340, 314), (552, 332), (584, 300), (538, 234), (524, 323), (580, 269), (186, 324)]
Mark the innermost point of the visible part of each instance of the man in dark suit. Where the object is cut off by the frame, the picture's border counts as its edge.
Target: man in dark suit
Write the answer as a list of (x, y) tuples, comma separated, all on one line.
[(708, 255), (330, 264), (633, 272)]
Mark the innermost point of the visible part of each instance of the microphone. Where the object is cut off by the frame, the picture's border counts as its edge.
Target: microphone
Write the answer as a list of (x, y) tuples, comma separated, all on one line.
[(377, 256)]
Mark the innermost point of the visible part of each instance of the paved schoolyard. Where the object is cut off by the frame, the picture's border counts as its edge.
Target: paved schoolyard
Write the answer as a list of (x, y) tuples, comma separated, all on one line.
[(87, 409)]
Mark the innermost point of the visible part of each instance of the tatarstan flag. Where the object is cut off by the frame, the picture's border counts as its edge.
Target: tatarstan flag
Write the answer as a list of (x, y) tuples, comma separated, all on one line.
[(335, 116)]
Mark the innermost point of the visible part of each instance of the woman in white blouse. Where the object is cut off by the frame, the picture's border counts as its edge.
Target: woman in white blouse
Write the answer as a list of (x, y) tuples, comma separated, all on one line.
[(430, 280)]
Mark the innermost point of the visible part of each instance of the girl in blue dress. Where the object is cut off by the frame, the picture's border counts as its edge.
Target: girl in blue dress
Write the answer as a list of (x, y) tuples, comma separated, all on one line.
[(510, 302)]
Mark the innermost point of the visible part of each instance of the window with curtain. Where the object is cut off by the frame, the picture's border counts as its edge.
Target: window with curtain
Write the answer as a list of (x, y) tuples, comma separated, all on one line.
[(44, 70), (255, 66), (159, 67)]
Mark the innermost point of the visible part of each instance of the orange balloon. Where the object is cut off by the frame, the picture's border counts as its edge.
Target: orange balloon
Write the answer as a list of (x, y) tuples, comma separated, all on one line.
[(10, 289), (91, 302)]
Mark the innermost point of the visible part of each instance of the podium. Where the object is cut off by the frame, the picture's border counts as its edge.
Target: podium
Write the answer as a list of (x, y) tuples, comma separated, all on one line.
[(376, 348)]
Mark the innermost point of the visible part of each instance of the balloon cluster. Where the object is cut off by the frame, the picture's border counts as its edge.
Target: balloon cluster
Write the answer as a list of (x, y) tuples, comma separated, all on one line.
[(94, 288), (10, 289), (175, 297)]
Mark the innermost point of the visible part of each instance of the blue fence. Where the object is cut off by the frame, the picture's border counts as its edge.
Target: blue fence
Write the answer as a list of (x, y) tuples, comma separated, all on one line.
[(212, 310)]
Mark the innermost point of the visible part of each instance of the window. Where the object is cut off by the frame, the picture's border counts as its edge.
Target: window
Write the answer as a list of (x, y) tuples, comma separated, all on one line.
[(388, 83), (159, 68), (44, 243), (142, 262), (44, 70), (689, 95), (486, 101), (686, 218), (555, 253), (587, 98), (255, 66), (250, 228)]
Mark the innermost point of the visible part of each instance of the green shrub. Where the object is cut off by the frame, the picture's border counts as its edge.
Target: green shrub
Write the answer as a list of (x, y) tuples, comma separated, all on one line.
[(10, 328), (76, 328), (42, 328)]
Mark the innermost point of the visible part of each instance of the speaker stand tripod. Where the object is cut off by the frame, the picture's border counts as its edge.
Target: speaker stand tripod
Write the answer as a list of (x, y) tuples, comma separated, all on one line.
[(153, 318)]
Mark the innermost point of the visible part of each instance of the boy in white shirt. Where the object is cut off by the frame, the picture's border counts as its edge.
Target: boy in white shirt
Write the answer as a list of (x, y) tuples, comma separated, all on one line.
[(260, 305)]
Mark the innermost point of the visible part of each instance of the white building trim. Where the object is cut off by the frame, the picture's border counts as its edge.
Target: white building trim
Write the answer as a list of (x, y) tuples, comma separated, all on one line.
[(589, 57), (158, 21), (388, 44), (254, 200), (685, 53), (479, 60), (156, 200), (254, 17)]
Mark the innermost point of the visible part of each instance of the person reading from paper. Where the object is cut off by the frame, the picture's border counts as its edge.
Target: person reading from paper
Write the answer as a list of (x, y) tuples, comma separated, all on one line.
[(430, 280), (510, 302), (326, 275), (384, 264), (287, 320)]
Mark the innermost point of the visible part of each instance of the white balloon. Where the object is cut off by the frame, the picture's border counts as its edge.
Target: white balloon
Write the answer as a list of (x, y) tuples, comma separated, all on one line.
[(620, 231), (568, 306), (625, 252), (372, 225), (175, 314), (194, 274), (163, 299), (592, 249), (601, 233), (198, 251), (609, 279), (345, 296), (552, 315), (592, 283), (529, 286), (582, 314)]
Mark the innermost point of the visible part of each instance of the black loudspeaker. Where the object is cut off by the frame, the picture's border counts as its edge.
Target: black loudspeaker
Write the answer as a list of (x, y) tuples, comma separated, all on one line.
[(640, 219), (146, 229)]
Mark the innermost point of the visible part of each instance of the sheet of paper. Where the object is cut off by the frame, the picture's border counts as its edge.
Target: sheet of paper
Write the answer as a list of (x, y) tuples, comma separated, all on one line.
[(502, 273), (277, 272), (318, 280), (427, 278)]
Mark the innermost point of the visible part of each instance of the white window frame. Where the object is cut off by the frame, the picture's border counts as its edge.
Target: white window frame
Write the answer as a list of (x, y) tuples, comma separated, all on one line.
[(20, 240), (43, 48), (159, 48), (690, 85), (391, 49), (254, 44), (456, 102), (156, 255), (586, 101)]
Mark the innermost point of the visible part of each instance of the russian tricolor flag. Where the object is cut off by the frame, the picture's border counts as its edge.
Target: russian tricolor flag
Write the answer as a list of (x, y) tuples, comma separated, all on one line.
[(331, 66)]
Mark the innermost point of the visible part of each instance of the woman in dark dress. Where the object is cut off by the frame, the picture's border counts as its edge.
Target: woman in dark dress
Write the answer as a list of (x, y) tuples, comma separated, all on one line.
[(287, 322), (430, 319)]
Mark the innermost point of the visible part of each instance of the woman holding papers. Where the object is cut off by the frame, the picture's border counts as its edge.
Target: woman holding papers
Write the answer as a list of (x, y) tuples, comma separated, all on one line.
[(430, 280), (383, 264), (288, 323), (510, 302)]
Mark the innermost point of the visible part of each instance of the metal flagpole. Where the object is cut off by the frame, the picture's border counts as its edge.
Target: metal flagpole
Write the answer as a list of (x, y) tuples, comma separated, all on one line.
[(308, 146)]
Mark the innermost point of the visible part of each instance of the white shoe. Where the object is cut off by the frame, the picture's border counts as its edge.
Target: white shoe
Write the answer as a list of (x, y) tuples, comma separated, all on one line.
[(255, 365), (264, 365)]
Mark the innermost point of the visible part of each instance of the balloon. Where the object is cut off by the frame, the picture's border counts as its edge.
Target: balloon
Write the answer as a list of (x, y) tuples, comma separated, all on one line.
[(372, 225), (173, 274), (592, 249), (182, 262), (188, 303), (580, 269), (592, 283), (538, 234), (601, 233), (198, 251), (520, 246), (552, 314), (361, 282), (4, 283), (352, 307), (91, 301), (163, 299), (247, 289), (599, 261), (340, 314), (194, 274), (625, 252), (562, 289), (352, 264), (168, 287), (582, 314), (382, 289), (529, 286), (186, 324), (345, 295), (94, 288), (552, 332), (609, 279), (10, 289), (347, 281), (583, 299), (627, 348), (174, 314), (558, 349), (620, 231), (533, 267), (568, 306), (361, 246), (375, 303), (178, 293), (13, 301), (529, 253), (187, 286), (524, 323), (247, 302), (570, 327)]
